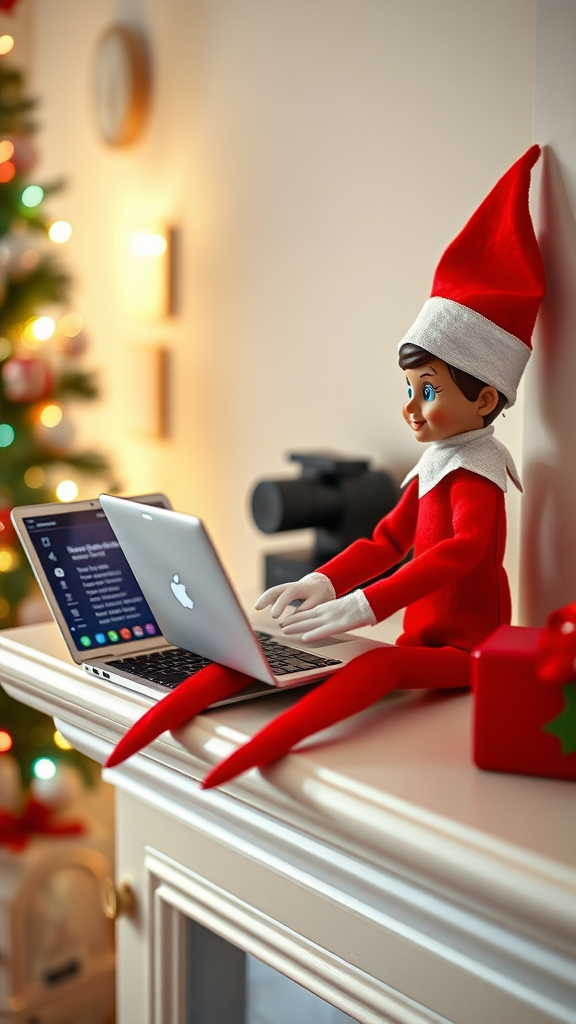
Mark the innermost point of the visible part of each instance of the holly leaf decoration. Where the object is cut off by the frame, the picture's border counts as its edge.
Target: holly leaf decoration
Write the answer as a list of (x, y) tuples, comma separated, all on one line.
[(564, 725)]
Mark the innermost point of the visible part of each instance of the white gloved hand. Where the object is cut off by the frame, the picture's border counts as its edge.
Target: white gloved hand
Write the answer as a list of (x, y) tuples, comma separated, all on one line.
[(313, 589), (338, 616)]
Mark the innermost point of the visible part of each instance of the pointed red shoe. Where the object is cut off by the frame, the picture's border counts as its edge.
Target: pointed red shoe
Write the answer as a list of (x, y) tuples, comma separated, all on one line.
[(192, 695)]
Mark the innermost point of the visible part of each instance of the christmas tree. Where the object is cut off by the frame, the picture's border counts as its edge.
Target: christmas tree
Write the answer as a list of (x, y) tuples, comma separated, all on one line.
[(41, 345)]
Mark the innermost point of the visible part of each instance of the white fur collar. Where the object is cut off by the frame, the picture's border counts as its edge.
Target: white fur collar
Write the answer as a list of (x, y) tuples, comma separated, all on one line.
[(476, 450)]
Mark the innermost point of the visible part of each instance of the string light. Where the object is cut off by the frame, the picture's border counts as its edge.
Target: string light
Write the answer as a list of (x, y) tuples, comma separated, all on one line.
[(43, 328), (32, 196), (4, 608), (67, 490), (44, 768), (7, 435), (5, 741), (6, 44), (51, 415), (34, 477), (8, 559), (6, 150), (5, 348), (70, 325), (61, 741), (7, 171), (59, 231)]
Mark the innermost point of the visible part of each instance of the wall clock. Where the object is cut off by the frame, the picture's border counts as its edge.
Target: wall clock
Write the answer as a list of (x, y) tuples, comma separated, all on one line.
[(122, 85)]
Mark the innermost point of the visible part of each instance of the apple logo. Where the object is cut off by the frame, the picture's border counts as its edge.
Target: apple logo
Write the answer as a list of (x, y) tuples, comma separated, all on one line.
[(179, 591)]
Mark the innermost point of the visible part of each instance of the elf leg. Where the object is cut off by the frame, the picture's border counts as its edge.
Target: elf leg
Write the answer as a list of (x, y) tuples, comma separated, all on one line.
[(353, 688), (194, 694)]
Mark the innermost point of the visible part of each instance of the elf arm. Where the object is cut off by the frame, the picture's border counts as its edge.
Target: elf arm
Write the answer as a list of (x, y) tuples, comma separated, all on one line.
[(361, 561), (473, 503), (392, 539)]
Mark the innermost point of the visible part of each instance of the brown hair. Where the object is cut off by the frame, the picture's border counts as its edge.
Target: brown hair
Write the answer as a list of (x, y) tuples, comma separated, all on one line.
[(410, 356)]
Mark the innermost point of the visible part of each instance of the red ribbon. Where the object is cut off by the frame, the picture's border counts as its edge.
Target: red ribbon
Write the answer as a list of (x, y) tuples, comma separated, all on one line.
[(16, 830), (557, 647)]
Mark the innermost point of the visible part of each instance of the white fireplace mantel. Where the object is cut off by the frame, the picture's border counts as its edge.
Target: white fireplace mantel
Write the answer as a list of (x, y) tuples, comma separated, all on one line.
[(378, 868)]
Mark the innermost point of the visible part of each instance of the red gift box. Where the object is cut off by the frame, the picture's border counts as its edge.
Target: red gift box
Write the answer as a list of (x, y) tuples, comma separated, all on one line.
[(521, 724)]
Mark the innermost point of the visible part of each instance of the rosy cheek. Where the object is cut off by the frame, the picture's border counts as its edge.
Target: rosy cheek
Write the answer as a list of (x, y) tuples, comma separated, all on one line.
[(437, 416)]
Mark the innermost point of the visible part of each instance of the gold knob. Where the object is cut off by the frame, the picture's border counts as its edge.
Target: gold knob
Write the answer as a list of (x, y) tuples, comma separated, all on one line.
[(117, 901)]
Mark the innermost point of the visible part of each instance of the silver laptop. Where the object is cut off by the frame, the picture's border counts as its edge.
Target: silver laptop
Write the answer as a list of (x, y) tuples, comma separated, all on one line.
[(196, 607)]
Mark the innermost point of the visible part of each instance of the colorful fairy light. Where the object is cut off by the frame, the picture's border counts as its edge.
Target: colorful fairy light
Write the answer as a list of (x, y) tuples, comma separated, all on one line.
[(51, 415), (32, 196), (59, 231), (8, 559), (34, 477), (6, 44), (7, 435), (67, 490), (43, 328), (61, 741), (70, 325), (5, 741), (44, 768), (7, 171), (6, 150)]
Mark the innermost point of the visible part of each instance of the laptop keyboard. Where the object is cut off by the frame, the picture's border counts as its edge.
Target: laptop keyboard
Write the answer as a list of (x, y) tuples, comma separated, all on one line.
[(283, 659), (167, 667), (170, 667)]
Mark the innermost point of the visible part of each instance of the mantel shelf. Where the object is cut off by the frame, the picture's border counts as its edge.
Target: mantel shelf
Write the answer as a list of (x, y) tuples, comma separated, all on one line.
[(387, 806)]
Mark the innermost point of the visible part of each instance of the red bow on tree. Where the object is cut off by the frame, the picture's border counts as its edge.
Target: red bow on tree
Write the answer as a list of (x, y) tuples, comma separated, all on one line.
[(36, 819)]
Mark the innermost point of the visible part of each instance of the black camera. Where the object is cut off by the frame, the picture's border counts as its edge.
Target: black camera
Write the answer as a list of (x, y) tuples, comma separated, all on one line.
[(341, 498)]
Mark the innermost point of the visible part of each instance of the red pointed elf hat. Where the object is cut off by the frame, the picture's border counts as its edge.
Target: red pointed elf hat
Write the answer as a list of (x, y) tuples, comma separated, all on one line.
[(488, 287)]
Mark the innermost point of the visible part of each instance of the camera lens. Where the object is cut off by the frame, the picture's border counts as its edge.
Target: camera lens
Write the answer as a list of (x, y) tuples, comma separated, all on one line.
[(295, 504)]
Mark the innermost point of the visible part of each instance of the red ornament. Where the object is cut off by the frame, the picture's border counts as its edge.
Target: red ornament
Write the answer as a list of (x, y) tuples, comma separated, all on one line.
[(26, 380), (7, 5), (7, 532)]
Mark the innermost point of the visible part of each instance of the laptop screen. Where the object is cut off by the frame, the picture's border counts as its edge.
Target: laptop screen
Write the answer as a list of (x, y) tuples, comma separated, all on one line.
[(90, 578)]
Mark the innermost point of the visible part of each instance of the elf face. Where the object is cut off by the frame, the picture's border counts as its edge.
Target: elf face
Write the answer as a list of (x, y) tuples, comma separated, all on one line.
[(436, 408)]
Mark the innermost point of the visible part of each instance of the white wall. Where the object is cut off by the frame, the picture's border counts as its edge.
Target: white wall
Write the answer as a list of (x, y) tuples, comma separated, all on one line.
[(318, 155), (549, 515)]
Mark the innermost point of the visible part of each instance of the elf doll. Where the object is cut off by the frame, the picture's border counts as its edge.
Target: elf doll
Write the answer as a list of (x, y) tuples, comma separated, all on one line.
[(463, 359)]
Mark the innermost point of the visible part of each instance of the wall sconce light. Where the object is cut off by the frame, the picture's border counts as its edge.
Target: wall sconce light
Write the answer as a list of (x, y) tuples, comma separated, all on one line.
[(149, 277)]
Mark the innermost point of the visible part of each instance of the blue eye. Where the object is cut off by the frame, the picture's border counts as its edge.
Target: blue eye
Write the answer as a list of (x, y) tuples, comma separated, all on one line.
[(428, 393), (410, 393)]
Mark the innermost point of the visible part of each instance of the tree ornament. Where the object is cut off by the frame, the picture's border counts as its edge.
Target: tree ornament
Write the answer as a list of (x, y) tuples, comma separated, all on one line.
[(73, 347), (25, 155), (26, 380), (7, 531), (59, 792), (56, 437)]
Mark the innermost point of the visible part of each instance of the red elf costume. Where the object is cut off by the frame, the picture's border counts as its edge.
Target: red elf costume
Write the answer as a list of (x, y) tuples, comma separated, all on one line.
[(464, 357)]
